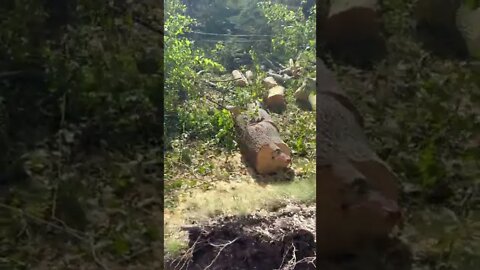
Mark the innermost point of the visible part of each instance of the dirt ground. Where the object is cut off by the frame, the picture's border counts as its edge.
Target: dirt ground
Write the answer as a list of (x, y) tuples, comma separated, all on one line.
[(283, 240)]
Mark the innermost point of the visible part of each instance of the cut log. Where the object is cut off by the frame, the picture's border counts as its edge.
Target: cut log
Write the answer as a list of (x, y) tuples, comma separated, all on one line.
[(279, 78), (437, 26), (468, 22), (260, 143), (269, 82), (240, 80), (327, 84), (353, 30), (308, 85), (275, 100), (305, 94), (357, 193)]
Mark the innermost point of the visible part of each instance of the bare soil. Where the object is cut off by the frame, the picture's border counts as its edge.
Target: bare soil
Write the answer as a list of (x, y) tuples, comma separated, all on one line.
[(283, 240)]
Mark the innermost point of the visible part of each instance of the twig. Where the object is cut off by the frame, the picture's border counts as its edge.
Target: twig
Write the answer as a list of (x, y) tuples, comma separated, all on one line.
[(76, 234), (19, 73), (137, 253), (137, 19), (94, 255), (185, 259), (214, 102), (227, 80), (223, 246), (64, 228)]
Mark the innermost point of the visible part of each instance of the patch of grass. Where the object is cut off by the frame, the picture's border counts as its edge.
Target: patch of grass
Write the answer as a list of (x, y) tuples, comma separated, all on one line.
[(231, 198)]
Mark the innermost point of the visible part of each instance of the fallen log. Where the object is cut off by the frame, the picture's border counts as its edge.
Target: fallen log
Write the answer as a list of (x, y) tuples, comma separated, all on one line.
[(468, 21), (260, 143), (279, 78), (357, 193), (305, 95), (239, 78), (327, 84), (436, 22), (352, 30), (275, 99), (269, 82)]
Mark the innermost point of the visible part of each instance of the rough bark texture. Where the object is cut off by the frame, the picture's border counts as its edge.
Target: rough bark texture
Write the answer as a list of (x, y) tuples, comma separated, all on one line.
[(275, 99), (260, 143), (240, 79), (327, 84), (357, 193), (352, 30)]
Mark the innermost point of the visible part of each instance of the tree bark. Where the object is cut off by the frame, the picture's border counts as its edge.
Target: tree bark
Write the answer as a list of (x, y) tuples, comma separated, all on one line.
[(260, 143), (357, 193)]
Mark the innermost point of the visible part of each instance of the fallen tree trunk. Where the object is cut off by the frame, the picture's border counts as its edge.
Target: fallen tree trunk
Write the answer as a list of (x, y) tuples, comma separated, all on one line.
[(352, 30), (275, 99), (260, 143), (357, 193), (327, 84)]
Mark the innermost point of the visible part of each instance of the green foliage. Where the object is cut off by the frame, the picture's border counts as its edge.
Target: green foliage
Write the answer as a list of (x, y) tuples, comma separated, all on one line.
[(182, 62), (293, 33)]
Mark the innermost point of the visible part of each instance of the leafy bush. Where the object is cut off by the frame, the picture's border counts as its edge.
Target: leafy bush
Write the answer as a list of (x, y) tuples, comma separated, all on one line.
[(292, 31)]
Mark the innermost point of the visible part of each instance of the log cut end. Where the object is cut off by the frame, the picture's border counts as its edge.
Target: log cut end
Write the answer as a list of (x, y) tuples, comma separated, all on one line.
[(240, 79), (269, 82), (275, 100), (260, 143), (272, 158), (352, 210), (352, 31)]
